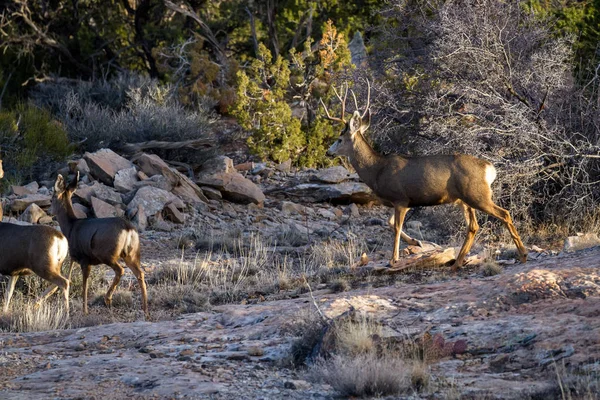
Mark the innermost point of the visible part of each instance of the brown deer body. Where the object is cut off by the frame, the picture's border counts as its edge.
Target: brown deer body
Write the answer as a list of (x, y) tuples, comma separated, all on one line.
[(38, 249), (407, 182), (94, 241)]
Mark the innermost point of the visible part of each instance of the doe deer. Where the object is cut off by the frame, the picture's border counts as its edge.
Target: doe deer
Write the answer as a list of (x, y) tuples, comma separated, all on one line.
[(420, 181), (94, 241), (26, 249)]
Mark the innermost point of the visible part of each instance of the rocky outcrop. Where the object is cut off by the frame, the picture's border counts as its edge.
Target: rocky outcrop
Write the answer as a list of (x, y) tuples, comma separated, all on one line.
[(104, 165)]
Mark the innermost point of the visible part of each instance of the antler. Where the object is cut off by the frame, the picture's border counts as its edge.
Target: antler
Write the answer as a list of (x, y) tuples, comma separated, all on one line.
[(343, 101), (368, 99)]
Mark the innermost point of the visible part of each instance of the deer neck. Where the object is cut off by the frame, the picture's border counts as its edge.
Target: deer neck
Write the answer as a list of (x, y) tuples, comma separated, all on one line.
[(65, 214), (364, 159)]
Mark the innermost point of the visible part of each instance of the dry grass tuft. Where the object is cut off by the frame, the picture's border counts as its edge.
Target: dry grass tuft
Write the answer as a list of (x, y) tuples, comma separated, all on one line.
[(363, 375), (491, 268), (26, 318)]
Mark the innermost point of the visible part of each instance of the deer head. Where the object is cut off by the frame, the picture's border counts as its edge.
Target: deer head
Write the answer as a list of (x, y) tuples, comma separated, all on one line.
[(63, 192), (358, 124)]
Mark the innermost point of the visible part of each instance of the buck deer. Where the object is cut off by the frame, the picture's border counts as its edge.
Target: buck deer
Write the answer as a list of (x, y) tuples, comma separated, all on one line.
[(26, 249), (423, 181), (94, 241)]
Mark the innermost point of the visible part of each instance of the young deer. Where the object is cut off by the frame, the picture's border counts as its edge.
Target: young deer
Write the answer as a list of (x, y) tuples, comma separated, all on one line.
[(38, 249), (94, 241), (26, 249), (423, 181)]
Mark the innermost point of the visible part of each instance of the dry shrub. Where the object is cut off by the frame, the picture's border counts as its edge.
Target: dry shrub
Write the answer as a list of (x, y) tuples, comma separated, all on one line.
[(337, 253), (491, 268), (363, 375), (355, 360), (492, 79), (26, 318)]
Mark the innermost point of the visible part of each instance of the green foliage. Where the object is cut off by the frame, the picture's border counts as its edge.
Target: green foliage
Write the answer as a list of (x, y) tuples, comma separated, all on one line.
[(28, 136), (262, 109), (267, 89)]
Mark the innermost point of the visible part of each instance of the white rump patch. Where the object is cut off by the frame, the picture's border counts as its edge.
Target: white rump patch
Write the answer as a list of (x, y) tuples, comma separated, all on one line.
[(490, 174), (59, 250)]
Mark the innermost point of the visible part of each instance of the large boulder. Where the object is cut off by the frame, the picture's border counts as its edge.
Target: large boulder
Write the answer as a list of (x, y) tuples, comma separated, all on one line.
[(234, 187), (32, 214), (31, 188), (151, 165), (344, 192), (103, 209), (333, 175), (125, 180), (152, 200), (104, 165), (100, 191), (20, 204)]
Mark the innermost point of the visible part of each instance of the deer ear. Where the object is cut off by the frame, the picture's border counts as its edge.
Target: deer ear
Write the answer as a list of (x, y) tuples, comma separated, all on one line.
[(59, 185), (73, 184), (354, 123), (365, 122)]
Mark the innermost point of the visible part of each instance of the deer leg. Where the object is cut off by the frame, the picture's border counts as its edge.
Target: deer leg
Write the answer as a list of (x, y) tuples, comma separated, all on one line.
[(472, 227), (85, 272), (407, 239), (504, 216), (9, 290), (58, 282), (138, 272), (111, 290), (400, 213), (70, 269)]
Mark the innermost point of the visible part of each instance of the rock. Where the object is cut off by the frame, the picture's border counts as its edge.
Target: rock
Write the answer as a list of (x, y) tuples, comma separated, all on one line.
[(159, 224), (173, 214), (99, 191), (287, 207), (285, 166), (580, 242), (354, 192), (153, 200), (352, 210), (21, 204), (326, 213), (333, 175), (211, 193), (358, 50), (158, 181), (45, 220), (104, 210), (31, 188), (79, 166), (81, 211), (234, 187), (104, 165), (125, 180), (256, 351), (217, 164), (138, 217), (258, 168), (247, 166), (183, 186), (33, 214)]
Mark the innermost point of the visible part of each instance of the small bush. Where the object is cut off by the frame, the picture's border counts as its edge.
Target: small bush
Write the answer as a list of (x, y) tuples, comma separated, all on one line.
[(26, 318), (29, 138), (491, 268), (363, 375), (141, 110)]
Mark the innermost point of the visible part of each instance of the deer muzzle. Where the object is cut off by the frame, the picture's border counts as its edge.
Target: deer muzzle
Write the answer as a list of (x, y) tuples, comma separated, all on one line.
[(332, 151)]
